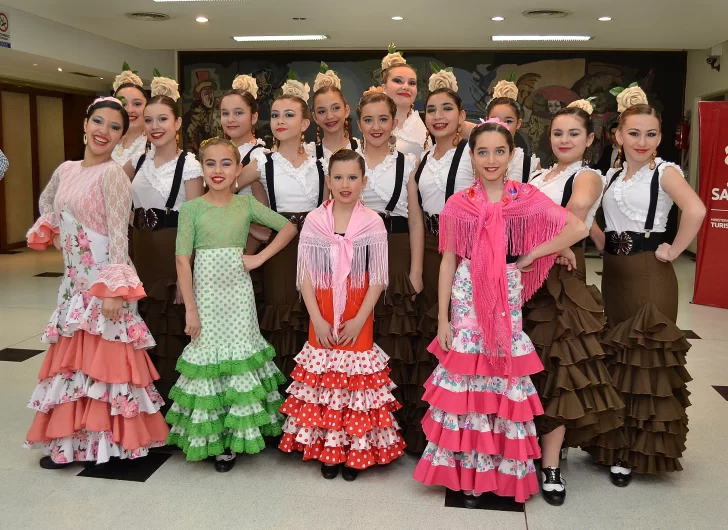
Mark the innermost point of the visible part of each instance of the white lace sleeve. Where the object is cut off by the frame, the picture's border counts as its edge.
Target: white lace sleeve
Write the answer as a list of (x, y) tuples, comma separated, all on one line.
[(40, 236), (259, 158), (193, 169)]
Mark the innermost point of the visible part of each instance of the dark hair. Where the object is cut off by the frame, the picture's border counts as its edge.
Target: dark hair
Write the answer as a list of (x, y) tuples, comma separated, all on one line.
[(578, 113), (453, 95), (206, 144), (131, 85), (641, 109), (512, 103), (376, 97), (304, 106), (165, 100), (248, 98), (108, 104), (385, 72), (347, 155), (490, 126)]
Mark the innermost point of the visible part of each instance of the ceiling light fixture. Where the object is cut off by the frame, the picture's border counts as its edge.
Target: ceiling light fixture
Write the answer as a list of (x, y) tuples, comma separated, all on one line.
[(60, 69), (397, 18), (35, 64), (498, 19), (605, 19), (540, 38), (269, 38), (202, 20), (101, 78)]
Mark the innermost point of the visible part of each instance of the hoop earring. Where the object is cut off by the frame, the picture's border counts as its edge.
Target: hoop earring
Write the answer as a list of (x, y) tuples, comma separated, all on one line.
[(301, 149), (653, 164), (618, 162), (427, 137), (318, 135), (457, 139), (392, 143), (85, 140)]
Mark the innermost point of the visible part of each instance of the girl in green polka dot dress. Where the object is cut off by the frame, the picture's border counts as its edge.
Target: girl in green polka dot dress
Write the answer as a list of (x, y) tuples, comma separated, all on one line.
[(226, 398)]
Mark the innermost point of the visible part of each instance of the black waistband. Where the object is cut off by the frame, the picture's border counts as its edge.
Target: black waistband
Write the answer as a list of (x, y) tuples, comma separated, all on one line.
[(630, 243), (432, 224), (395, 224), (155, 219), (296, 218)]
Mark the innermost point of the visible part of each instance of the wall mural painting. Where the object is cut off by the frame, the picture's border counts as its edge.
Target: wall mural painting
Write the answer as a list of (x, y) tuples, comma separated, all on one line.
[(547, 82)]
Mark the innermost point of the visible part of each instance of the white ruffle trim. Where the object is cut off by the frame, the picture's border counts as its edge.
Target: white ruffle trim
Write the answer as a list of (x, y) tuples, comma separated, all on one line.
[(321, 360), (88, 446)]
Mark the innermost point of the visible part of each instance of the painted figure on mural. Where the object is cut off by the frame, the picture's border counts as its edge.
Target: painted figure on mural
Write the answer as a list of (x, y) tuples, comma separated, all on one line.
[(203, 118)]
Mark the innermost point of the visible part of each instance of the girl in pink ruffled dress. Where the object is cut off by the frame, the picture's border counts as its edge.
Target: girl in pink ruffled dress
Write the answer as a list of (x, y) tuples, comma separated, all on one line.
[(95, 399)]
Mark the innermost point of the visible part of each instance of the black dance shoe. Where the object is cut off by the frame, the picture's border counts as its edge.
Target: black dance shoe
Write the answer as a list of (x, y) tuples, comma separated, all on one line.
[(471, 501), (329, 472), (349, 474), (553, 487), (223, 466), (620, 474), (47, 463)]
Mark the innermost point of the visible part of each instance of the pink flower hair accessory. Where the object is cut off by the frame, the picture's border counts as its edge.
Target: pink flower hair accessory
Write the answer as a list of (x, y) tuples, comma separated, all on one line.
[(494, 119), (107, 98)]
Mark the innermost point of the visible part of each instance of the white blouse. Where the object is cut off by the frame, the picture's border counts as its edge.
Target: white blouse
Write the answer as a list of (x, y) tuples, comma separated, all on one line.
[(554, 187), (515, 166), (297, 189), (244, 150), (625, 204), (380, 184), (311, 151), (433, 180), (411, 135), (121, 156), (152, 185)]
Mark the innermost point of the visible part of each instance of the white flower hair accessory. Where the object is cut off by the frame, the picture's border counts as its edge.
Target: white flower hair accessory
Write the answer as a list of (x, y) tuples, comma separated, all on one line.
[(506, 88), (127, 76), (583, 104), (326, 78), (393, 58), (629, 97), (164, 86), (442, 78), (294, 88), (247, 83)]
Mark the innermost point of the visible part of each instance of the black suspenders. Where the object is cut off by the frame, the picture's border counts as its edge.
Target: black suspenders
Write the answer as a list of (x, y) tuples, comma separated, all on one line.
[(418, 174), (322, 181), (654, 192), (450, 186), (270, 181), (320, 148), (568, 190), (526, 167), (398, 181), (246, 159), (176, 182)]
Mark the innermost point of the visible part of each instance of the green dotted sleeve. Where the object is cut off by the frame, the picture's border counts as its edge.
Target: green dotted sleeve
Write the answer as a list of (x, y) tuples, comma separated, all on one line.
[(186, 230), (265, 216)]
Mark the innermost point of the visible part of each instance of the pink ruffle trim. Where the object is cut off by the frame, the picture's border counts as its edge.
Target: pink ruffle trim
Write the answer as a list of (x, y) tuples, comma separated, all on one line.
[(477, 364), (40, 237), (118, 281)]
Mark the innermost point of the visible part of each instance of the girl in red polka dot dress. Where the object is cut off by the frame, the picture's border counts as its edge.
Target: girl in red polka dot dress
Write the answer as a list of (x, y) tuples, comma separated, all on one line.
[(340, 403)]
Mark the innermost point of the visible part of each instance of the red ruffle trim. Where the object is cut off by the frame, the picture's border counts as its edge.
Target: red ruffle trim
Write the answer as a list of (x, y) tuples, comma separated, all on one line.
[(353, 422), (468, 440), (341, 380), (129, 294), (477, 364), (482, 403), (357, 459), (458, 478), (36, 241)]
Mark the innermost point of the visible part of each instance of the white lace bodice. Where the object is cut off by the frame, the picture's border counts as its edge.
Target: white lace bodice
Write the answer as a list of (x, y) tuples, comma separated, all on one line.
[(121, 155), (152, 185), (411, 135), (244, 149), (380, 184), (296, 188), (515, 166), (433, 181)]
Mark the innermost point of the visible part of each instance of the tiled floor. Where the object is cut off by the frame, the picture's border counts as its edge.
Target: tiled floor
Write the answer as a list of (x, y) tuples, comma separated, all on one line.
[(274, 490)]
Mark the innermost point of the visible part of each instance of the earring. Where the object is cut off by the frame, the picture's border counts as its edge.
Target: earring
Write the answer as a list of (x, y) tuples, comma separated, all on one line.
[(85, 140), (618, 162), (318, 135), (204, 183), (653, 164), (427, 137), (457, 139), (236, 184), (252, 131), (392, 143), (363, 144), (301, 150)]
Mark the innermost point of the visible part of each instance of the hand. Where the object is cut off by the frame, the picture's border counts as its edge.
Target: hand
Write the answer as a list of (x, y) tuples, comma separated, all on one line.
[(57, 241), (193, 327), (524, 263), (417, 284), (111, 308), (252, 262), (664, 253), (444, 334), (349, 331), (323, 332), (567, 258), (599, 240), (178, 296)]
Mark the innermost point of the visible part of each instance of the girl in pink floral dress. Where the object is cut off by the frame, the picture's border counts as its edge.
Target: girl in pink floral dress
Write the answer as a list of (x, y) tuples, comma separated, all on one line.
[(95, 399)]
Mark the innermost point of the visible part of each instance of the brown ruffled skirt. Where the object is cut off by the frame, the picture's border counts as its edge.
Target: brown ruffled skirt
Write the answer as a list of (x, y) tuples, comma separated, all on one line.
[(283, 317), (564, 320), (155, 262), (646, 354)]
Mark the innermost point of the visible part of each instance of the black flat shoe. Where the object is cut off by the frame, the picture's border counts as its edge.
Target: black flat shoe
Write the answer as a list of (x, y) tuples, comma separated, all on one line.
[(329, 472), (47, 463), (471, 501), (223, 466), (349, 474), (618, 477), (553, 487)]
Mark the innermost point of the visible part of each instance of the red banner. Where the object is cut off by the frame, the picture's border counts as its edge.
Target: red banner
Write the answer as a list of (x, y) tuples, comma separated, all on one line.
[(711, 287)]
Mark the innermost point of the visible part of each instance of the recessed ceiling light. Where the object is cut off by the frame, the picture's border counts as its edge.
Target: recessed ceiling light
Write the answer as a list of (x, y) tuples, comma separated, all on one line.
[(101, 78), (60, 69), (397, 18), (498, 19), (201, 20), (605, 19), (267, 38), (35, 64), (531, 38)]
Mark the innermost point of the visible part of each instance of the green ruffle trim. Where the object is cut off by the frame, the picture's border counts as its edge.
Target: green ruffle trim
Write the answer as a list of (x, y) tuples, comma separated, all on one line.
[(230, 441), (194, 430), (195, 454), (228, 398), (240, 423), (213, 371)]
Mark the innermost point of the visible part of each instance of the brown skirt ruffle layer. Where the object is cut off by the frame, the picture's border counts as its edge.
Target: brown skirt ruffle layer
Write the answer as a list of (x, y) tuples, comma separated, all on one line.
[(646, 354), (564, 321)]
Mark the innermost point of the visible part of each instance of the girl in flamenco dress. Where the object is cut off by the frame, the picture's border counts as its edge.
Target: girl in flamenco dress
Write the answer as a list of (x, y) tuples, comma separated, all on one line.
[(340, 403), (499, 239), (95, 399)]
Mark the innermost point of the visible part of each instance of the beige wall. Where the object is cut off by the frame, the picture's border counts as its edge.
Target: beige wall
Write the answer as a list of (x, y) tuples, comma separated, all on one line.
[(50, 136)]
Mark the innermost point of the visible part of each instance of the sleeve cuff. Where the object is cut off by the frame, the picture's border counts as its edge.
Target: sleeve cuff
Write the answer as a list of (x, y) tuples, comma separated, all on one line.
[(40, 237), (118, 281)]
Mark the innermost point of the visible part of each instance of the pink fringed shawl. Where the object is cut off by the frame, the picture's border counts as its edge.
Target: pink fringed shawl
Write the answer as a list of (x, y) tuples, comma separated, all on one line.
[(329, 259), (475, 229)]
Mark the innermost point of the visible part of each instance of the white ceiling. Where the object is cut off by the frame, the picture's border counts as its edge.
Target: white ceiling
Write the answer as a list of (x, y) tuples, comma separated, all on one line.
[(366, 24)]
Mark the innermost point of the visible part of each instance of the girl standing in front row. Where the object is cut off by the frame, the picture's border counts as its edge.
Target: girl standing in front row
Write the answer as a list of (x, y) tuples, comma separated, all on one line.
[(340, 404), (226, 398), (498, 239)]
